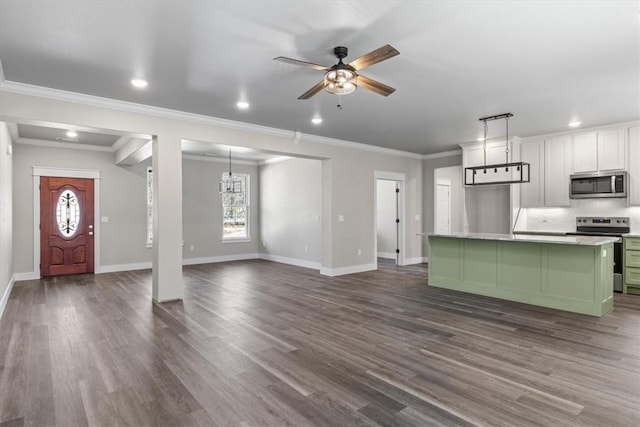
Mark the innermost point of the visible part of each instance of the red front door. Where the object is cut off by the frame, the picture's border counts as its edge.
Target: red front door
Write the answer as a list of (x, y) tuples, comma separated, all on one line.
[(66, 226)]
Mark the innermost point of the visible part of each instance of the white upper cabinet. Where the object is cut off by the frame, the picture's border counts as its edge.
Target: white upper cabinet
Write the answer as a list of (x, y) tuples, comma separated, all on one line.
[(557, 168), (611, 150), (585, 152), (634, 165), (532, 193), (603, 150)]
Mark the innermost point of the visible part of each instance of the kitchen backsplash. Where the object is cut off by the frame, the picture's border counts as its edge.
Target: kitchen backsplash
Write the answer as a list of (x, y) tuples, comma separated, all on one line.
[(564, 219)]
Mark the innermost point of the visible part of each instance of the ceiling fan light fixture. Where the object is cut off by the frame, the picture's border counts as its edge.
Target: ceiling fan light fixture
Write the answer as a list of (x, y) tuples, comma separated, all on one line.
[(340, 81)]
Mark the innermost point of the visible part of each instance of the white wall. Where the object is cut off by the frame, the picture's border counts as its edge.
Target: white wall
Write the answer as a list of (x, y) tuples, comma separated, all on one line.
[(428, 167), (290, 212), (123, 198), (202, 211), (123, 201), (453, 174), (347, 172), (6, 216), (488, 209), (386, 218)]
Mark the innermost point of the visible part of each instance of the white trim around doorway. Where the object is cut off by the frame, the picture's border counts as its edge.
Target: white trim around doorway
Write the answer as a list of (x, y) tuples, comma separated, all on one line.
[(39, 171), (400, 179)]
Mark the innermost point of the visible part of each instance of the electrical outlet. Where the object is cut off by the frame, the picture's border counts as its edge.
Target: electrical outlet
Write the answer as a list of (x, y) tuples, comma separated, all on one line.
[(341, 218), (359, 252), (191, 247), (306, 249)]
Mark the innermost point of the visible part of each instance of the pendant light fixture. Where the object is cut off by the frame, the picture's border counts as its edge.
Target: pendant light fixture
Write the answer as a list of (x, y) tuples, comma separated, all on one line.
[(230, 184), (508, 172)]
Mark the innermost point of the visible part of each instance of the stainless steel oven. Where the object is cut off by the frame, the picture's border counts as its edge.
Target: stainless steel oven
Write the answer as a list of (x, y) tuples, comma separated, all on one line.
[(606, 226), (598, 185)]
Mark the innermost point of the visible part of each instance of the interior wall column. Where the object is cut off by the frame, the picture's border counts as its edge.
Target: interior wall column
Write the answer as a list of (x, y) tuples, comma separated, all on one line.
[(327, 215), (167, 218)]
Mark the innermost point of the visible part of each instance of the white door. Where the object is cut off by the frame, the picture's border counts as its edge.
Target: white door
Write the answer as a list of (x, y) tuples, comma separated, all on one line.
[(443, 208)]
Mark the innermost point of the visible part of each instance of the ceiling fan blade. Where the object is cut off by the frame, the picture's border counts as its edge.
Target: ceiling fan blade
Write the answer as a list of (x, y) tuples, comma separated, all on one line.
[(375, 86), (301, 63), (317, 88), (380, 54)]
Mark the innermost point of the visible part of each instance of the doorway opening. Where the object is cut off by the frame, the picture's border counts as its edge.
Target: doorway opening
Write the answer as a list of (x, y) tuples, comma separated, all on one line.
[(389, 228)]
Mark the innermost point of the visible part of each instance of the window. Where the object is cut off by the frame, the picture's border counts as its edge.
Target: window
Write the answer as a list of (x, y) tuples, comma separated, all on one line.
[(149, 206), (235, 209)]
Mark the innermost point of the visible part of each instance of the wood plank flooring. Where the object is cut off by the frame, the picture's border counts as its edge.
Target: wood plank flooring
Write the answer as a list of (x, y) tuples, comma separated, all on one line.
[(256, 343)]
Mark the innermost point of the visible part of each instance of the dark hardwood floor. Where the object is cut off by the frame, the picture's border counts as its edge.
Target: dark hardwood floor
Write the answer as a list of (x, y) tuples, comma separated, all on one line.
[(258, 343)]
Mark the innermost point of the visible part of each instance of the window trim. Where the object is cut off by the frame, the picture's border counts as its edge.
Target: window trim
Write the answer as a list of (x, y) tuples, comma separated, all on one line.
[(247, 206)]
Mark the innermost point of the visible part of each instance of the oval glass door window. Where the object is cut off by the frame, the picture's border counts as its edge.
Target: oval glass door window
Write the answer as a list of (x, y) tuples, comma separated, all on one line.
[(68, 213)]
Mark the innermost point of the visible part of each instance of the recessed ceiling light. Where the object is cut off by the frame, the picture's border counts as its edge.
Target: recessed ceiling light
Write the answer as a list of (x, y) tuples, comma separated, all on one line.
[(72, 134), (574, 124), (243, 105), (139, 83), (316, 120)]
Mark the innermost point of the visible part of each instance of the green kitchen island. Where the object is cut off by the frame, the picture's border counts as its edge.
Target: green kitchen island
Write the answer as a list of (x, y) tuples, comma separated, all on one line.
[(571, 273)]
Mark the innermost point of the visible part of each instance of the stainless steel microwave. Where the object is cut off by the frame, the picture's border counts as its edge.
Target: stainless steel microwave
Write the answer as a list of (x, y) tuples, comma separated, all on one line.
[(597, 185)]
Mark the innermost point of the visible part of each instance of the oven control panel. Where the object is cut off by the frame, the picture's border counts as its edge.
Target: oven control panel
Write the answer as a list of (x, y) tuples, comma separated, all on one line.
[(602, 221)]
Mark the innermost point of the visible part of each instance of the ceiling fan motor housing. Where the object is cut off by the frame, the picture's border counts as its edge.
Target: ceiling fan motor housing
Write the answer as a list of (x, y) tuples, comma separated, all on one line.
[(340, 52)]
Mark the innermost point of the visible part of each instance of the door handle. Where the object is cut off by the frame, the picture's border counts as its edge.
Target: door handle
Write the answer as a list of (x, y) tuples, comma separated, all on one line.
[(613, 184)]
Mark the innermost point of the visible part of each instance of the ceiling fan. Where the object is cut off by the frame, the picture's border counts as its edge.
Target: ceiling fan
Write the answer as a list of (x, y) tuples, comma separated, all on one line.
[(343, 79)]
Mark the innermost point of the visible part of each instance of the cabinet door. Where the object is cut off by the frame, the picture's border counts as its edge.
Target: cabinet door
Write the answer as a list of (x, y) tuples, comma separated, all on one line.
[(611, 150), (496, 153), (473, 156), (532, 193), (634, 165), (557, 166), (585, 152)]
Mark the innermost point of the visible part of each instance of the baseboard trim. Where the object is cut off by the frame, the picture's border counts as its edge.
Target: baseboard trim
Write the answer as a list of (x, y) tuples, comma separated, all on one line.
[(223, 258), (291, 261), (122, 267), (29, 275), (351, 269), (417, 260), (386, 255), (5, 296)]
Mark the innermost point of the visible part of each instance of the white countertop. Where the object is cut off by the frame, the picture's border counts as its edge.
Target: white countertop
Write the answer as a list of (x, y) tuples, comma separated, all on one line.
[(631, 235), (566, 240)]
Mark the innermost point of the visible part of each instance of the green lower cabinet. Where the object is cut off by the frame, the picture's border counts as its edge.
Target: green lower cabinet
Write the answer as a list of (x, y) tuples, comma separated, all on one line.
[(631, 262), (576, 278)]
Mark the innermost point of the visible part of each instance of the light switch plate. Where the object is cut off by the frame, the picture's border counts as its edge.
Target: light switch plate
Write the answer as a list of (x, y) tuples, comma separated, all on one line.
[(104, 219), (341, 218)]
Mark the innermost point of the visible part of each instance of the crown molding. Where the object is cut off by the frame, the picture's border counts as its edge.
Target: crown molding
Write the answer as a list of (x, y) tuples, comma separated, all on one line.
[(59, 144), (441, 155), (130, 107), (577, 131)]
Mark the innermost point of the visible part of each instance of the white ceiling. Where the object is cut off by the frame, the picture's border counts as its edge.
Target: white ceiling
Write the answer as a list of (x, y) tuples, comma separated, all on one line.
[(547, 62)]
